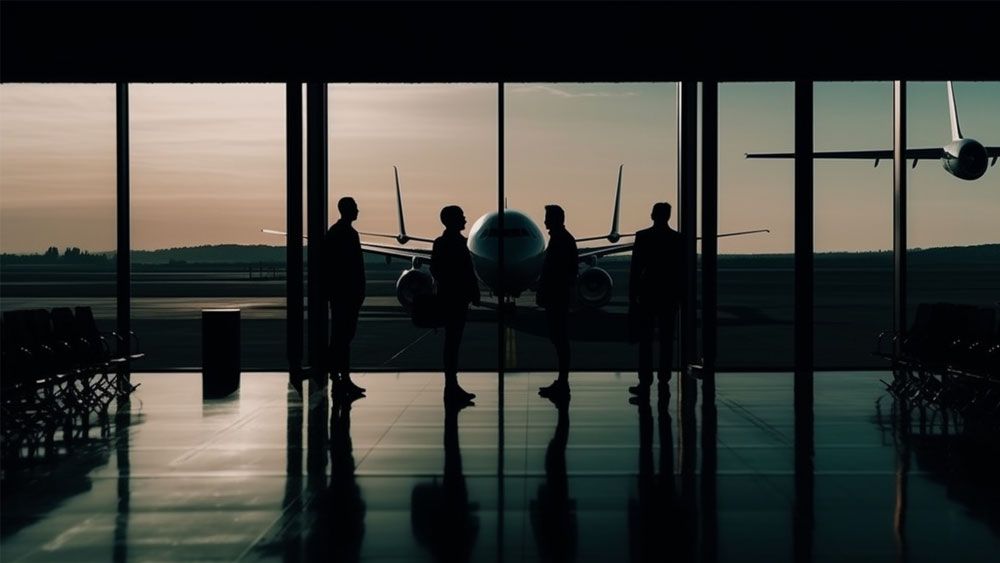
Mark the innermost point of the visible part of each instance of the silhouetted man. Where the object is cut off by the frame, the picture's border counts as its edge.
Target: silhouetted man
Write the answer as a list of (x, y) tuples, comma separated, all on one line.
[(655, 288), (555, 293), (346, 285), (451, 266)]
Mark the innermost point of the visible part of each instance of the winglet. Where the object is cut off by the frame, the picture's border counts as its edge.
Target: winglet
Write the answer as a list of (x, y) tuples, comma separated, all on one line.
[(956, 131), (401, 237), (613, 235)]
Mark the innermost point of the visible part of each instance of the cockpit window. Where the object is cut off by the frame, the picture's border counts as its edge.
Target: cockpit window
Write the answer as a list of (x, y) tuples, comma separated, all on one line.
[(507, 233)]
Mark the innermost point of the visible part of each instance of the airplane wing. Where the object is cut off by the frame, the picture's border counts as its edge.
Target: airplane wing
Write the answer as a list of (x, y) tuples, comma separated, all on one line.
[(379, 249), (598, 251), (876, 155), (395, 251)]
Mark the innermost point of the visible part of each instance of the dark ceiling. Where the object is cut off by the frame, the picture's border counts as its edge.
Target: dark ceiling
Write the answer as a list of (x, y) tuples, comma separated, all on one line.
[(495, 41)]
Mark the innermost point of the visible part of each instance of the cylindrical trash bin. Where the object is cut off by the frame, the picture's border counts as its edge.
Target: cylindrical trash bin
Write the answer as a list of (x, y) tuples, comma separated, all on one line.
[(220, 352)]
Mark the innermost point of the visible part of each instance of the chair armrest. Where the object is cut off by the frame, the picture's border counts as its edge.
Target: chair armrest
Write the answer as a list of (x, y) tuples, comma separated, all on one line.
[(132, 339)]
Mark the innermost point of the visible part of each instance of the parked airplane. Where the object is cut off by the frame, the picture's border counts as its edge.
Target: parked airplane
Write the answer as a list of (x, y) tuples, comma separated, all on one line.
[(963, 158), (524, 251)]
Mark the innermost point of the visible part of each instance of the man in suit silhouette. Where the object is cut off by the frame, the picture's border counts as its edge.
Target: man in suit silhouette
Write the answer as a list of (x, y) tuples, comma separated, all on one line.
[(451, 266), (555, 293), (655, 289), (345, 283)]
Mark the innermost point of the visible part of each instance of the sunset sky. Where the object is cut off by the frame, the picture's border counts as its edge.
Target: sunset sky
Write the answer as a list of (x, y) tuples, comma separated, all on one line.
[(208, 160)]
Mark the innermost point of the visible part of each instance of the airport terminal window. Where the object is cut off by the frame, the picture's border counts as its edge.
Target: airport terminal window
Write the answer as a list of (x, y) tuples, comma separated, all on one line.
[(756, 276), (57, 198), (565, 145), (853, 223), (440, 141), (954, 242), (208, 173)]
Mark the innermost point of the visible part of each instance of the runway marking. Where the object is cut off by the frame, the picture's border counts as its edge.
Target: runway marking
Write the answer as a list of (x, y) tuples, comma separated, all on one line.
[(407, 347)]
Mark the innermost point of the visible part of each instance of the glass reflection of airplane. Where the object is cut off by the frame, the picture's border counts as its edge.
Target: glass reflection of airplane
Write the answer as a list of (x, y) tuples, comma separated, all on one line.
[(963, 158), (524, 251)]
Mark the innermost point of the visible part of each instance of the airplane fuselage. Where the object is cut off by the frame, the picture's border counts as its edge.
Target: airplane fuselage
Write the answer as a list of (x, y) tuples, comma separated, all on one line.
[(523, 251), (523, 254)]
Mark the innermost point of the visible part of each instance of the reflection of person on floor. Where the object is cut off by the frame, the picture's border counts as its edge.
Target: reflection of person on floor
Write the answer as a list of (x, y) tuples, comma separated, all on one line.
[(345, 283), (441, 516), (343, 504), (651, 512), (555, 293), (553, 513), (655, 289), (451, 266)]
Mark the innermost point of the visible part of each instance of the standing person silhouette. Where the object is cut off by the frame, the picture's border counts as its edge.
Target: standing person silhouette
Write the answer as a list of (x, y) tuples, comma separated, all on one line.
[(555, 292), (345, 283), (655, 289), (451, 266)]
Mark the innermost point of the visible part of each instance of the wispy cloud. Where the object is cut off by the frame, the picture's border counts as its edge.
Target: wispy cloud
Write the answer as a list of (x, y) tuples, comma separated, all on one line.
[(565, 93)]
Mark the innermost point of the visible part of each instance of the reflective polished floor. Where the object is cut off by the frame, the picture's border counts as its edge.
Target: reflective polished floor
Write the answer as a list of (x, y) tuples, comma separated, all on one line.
[(265, 476)]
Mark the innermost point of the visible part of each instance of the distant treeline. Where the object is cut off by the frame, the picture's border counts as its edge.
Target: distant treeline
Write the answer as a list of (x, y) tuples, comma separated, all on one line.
[(234, 255), (71, 256)]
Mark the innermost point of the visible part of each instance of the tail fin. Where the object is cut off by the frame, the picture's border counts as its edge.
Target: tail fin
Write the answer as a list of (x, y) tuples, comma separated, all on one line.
[(613, 235), (401, 237), (956, 131)]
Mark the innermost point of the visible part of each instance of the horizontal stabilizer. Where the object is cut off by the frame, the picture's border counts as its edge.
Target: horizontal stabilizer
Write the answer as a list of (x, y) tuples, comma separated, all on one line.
[(859, 155), (281, 233)]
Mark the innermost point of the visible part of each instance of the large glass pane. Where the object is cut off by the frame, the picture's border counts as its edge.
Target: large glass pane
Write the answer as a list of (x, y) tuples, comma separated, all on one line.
[(565, 145), (57, 198), (954, 239), (442, 141), (208, 173), (756, 276), (853, 223)]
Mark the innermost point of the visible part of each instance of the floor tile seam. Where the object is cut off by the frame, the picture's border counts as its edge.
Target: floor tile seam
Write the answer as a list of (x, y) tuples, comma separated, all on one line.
[(238, 423), (752, 418), (764, 476), (389, 427), (296, 504), (508, 473)]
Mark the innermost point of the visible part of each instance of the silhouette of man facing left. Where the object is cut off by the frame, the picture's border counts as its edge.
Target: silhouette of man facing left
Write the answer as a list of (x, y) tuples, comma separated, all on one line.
[(451, 266), (655, 288), (345, 283), (555, 292)]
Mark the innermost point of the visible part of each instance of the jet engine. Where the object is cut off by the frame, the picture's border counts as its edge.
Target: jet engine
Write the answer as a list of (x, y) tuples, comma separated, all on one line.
[(965, 159), (593, 288), (411, 283)]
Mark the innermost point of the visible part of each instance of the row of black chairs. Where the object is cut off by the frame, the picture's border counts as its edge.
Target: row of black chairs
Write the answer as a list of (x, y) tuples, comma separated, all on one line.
[(949, 359), (57, 367)]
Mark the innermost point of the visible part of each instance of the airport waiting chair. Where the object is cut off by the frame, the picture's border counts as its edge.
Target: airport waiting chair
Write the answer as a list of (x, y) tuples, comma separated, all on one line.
[(950, 360), (18, 418), (63, 372), (33, 394), (88, 329), (96, 367)]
